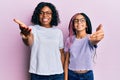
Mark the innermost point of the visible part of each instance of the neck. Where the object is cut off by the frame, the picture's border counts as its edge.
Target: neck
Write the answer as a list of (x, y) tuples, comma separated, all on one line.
[(80, 35), (47, 26)]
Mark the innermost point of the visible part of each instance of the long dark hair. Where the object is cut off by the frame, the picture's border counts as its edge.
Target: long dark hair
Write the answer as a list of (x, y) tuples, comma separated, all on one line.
[(72, 31), (88, 23), (55, 16)]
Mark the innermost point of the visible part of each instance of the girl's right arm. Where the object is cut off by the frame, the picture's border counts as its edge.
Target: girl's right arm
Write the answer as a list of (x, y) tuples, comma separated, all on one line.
[(67, 55), (26, 34), (97, 36)]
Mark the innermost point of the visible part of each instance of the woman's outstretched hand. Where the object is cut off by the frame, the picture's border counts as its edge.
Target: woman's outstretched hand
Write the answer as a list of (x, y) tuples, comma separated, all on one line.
[(25, 30), (26, 34)]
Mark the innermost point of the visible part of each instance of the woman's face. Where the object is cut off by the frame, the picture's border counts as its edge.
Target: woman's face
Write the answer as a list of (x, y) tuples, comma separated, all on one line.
[(45, 16), (80, 23)]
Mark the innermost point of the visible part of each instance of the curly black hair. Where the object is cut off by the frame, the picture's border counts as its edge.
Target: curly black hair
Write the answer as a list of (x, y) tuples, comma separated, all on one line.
[(55, 16)]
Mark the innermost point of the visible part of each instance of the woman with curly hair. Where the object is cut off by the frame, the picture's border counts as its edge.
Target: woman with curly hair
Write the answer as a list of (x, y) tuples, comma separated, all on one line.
[(46, 42)]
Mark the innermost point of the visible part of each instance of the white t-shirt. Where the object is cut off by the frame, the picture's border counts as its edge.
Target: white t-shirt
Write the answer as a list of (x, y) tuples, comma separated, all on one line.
[(45, 51)]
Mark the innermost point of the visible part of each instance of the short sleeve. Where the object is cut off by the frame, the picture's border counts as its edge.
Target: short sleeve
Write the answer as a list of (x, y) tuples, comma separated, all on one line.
[(61, 43), (33, 30), (67, 45), (92, 46)]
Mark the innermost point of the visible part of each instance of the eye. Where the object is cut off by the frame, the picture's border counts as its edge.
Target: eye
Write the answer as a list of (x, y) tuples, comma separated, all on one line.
[(76, 20), (41, 12), (82, 20), (47, 13)]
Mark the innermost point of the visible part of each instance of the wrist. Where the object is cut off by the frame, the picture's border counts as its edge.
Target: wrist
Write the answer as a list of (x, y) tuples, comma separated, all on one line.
[(23, 36)]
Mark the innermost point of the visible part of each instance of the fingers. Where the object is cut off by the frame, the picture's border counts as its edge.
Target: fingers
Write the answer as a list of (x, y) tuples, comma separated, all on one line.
[(19, 22), (93, 34), (98, 35), (99, 31), (24, 29), (95, 38), (100, 27)]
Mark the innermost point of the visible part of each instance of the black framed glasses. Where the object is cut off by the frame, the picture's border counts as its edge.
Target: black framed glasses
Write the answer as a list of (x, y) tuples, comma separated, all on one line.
[(82, 20), (47, 13)]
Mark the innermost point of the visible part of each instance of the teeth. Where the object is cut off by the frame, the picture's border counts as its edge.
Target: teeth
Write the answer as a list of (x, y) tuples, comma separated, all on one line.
[(45, 19)]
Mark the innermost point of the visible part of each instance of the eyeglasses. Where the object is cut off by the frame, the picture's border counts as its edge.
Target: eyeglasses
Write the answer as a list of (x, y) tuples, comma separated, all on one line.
[(82, 20), (47, 13)]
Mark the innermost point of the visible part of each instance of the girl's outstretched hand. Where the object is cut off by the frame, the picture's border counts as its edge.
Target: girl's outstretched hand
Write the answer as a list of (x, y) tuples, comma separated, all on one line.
[(25, 30), (98, 35)]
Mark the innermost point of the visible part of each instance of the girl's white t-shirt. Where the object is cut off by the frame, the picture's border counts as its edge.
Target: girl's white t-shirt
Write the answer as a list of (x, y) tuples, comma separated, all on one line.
[(45, 51)]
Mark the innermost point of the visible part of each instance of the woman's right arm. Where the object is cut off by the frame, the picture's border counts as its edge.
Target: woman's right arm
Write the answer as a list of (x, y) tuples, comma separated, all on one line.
[(28, 40), (67, 55), (26, 33)]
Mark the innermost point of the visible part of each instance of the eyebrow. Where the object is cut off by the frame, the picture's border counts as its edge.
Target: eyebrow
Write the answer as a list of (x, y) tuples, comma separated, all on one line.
[(80, 18), (45, 11)]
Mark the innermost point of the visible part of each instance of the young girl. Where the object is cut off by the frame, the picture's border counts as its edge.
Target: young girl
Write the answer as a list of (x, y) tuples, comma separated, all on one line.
[(80, 47), (46, 42)]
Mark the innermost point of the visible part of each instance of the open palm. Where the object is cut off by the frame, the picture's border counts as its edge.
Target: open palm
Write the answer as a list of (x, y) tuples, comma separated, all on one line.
[(25, 30)]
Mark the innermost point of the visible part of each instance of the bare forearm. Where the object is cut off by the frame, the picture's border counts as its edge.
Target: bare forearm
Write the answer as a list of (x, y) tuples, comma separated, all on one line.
[(97, 36), (66, 66), (62, 57), (63, 61), (66, 72), (28, 40)]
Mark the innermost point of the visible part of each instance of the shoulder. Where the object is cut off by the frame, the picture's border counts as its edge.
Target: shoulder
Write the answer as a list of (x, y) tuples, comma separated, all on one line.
[(34, 26), (70, 39), (58, 30)]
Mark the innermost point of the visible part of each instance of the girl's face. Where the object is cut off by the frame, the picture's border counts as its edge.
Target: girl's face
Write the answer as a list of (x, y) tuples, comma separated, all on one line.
[(45, 16), (80, 23)]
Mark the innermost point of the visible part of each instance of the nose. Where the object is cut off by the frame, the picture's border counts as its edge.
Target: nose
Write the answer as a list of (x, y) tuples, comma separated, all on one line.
[(44, 14)]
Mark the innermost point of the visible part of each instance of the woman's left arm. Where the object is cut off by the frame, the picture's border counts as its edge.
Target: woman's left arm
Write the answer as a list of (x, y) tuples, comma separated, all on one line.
[(62, 57), (97, 36)]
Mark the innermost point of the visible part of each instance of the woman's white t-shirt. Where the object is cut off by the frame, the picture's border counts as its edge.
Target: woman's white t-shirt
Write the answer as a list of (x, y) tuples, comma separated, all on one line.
[(45, 51)]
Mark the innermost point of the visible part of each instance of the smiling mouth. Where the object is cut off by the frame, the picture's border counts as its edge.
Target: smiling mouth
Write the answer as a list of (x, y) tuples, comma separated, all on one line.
[(45, 19)]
